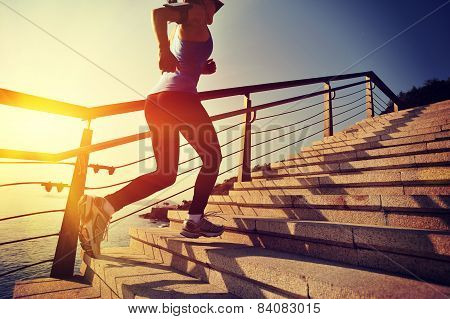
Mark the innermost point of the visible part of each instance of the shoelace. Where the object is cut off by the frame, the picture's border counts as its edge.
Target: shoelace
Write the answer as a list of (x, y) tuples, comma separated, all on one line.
[(106, 217), (106, 232)]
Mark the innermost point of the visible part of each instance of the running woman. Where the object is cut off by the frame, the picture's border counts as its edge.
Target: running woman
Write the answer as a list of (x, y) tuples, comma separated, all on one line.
[(172, 107)]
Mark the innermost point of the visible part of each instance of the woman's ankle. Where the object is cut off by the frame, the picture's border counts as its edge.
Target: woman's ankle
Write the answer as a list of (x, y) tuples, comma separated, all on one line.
[(195, 217), (108, 206)]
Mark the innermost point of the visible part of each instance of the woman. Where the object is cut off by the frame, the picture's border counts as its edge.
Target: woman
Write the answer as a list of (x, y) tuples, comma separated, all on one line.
[(173, 107)]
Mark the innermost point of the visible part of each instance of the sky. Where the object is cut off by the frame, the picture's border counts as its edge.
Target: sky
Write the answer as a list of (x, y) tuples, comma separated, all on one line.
[(101, 52)]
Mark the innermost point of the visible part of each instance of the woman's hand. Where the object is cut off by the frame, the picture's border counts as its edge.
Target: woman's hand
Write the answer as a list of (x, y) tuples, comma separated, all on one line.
[(167, 61), (209, 67)]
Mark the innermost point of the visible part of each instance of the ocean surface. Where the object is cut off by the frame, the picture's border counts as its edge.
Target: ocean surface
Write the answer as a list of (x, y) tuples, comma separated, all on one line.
[(18, 255)]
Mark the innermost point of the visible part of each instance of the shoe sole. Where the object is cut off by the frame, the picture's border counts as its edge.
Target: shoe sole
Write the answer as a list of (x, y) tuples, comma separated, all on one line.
[(189, 234), (85, 206)]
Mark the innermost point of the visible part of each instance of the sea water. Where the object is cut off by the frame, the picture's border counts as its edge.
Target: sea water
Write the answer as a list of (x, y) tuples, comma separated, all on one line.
[(21, 254)]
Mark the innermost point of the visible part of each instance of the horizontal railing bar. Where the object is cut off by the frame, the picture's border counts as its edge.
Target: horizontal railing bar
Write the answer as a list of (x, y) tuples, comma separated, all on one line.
[(115, 109), (27, 239), (21, 184), (133, 138), (282, 102), (182, 145), (381, 100), (26, 155), (378, 109), (378, 106), (31, 102), (285, 126), (56, 157), (349, 103), (38, 162), (180, 174), (276, 86), (260, 118), (35, 103), (44, 184), (302, 139), (104, 145), (32, 214), (347, 95), (25, 267), (346, 111)]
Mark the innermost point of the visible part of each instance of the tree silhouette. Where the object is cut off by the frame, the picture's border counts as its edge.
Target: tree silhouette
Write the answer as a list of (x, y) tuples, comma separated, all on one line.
[(432, 91)]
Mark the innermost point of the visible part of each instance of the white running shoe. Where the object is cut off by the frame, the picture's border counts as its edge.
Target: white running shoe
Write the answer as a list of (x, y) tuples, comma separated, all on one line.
[(94, 222)]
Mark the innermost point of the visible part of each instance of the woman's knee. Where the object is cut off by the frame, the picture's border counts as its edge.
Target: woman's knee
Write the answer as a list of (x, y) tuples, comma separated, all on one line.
[(168, 179), (160, 179)]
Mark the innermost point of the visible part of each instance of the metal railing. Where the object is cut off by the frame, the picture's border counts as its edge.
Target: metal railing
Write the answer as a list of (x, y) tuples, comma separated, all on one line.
[(64, 258)]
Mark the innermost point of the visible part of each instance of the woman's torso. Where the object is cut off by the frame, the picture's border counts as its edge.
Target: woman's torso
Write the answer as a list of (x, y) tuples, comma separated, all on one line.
[(192, 55)]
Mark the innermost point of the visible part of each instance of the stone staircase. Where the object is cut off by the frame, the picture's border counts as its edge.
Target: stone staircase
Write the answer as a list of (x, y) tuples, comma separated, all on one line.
[(362, 214)]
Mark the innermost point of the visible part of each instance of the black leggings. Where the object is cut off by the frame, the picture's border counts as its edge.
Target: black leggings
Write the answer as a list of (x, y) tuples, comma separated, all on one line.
[(168, 114)]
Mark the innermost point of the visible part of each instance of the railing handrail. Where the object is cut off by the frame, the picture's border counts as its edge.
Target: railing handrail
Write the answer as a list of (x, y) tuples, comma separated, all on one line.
[(35, 103), (56, 157), (114, 109)]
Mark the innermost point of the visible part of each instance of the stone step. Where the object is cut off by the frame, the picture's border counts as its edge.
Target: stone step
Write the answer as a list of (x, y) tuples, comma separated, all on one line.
[(254, 272), (127, 273), (402, 120), (346, 150), (404, 123), (193, 261), (349, 190), (396, 218), (409, 161), (413, 115), (366, 151), (407, 177), (437, 106), (409, 211), (396, 203), (426, 253), (415, 181), (425, 108), (410, 114), (369, 142), (52, 288), (328, 142), (431, 108), (387, 128), (382, 131)]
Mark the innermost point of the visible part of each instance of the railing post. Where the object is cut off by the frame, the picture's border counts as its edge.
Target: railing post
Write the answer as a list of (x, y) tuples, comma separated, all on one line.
[(395, 107), (245, 171), (64, 260), (328, 110), (369, 98)]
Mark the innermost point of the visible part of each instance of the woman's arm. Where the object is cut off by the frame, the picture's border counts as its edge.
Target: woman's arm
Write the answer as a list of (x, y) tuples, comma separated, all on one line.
[(161, 16)]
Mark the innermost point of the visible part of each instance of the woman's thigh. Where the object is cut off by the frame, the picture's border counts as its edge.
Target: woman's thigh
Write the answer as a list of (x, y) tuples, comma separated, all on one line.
[(200, 133), (169, 113), (165, 135)]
